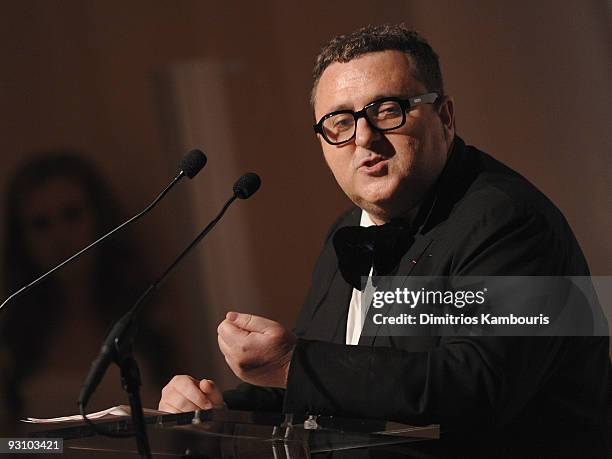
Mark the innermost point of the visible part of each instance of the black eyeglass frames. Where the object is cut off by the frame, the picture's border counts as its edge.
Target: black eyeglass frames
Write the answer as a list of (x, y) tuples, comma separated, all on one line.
[(383, 114)]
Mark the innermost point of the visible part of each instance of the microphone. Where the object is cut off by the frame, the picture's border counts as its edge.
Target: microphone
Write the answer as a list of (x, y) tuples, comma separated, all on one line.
[(118, 343), (190, 165), (247, 185)]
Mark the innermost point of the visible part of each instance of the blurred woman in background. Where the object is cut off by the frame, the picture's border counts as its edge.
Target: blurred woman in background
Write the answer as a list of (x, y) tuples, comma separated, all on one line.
[(57, 204)]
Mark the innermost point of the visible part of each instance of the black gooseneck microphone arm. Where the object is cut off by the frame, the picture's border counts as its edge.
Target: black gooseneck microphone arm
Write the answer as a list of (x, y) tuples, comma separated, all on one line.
[(191, 164), (119, 342), (121, 337)]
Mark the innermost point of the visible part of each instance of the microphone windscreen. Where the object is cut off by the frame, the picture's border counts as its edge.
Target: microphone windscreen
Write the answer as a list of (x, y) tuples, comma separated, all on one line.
[(193, 162), (246, 185)]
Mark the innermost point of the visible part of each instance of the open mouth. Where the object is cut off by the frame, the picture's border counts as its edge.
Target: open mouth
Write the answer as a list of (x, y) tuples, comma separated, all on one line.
[(374, 166)]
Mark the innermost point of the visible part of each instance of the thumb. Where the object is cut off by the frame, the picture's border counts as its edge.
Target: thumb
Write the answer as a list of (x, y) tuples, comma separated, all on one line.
[(250, 322)]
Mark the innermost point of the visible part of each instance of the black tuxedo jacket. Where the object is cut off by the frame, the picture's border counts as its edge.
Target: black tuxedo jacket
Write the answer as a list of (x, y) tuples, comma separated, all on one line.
[(480, 219)]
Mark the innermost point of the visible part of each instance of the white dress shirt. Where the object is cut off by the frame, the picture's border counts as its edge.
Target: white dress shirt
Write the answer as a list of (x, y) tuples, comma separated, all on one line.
[(358, 309)]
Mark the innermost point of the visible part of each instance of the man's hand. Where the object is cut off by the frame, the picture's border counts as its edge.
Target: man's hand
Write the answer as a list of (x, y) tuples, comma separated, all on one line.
[(258, 350), (184, 393)]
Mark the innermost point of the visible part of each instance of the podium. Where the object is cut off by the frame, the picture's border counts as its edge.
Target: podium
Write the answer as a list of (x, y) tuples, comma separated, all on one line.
[(240, 434)]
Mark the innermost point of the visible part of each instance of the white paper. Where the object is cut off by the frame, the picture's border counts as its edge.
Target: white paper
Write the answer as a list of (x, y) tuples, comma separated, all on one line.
[(121, 410)]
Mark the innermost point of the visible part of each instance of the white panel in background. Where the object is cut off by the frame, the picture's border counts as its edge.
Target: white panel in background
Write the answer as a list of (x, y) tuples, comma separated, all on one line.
[(196, 95)]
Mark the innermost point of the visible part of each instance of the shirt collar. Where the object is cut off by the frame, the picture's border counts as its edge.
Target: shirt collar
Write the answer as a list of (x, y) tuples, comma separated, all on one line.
[(365, 219)]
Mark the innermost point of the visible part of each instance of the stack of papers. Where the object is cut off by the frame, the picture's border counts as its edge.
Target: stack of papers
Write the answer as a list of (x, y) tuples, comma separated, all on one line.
[(120, 410)]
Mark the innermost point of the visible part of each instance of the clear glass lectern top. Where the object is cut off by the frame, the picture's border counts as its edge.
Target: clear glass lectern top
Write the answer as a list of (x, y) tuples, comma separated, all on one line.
[(238, 434)]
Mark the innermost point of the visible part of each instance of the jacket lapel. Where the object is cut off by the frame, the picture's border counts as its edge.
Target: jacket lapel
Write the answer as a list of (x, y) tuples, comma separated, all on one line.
[(332, 318), (328, 308), (409, 261)]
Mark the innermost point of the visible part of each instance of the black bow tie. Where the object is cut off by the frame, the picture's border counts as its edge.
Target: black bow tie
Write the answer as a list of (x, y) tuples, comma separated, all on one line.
[(378, 247)]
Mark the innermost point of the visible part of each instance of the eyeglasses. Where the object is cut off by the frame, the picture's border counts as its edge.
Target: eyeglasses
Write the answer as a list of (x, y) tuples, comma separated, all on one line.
[(383, 115)]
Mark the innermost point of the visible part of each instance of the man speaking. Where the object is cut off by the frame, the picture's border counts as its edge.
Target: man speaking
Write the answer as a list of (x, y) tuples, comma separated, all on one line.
[(427, 204)]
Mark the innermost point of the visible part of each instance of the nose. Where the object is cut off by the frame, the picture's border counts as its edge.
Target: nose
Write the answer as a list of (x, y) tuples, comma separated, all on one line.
[(365, 134)]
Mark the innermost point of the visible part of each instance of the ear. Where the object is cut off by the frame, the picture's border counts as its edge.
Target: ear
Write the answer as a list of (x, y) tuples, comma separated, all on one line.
[(446, 111)]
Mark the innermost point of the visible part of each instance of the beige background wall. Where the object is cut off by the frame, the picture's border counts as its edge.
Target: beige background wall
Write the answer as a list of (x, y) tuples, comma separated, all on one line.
[(119, 80)]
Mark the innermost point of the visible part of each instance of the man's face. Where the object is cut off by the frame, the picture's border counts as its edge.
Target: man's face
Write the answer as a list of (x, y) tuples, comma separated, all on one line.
[(385, 173)]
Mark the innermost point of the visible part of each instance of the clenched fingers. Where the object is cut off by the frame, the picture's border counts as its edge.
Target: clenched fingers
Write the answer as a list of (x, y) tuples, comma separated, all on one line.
[(182, 394)]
